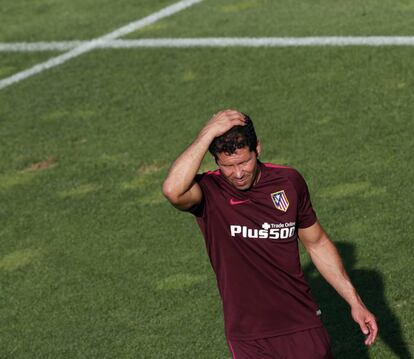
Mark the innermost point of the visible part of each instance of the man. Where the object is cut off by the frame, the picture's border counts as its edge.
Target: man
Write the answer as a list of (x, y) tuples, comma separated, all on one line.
[(251, 215)]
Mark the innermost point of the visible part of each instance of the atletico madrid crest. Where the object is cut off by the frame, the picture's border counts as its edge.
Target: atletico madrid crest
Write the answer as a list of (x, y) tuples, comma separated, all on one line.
[(280, 200)]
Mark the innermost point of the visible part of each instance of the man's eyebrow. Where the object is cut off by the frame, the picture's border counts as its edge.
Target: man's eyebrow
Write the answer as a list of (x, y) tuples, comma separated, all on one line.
[(250, 157), (238, 163)]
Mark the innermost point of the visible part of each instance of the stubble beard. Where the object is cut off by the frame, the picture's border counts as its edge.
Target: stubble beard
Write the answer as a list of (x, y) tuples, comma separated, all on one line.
[(250, 183)]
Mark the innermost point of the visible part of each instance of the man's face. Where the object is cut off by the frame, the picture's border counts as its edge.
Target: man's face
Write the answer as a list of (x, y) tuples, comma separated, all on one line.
[(240, 168)]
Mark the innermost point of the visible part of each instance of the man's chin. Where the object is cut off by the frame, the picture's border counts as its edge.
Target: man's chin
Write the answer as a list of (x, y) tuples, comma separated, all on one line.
[(242, 186)]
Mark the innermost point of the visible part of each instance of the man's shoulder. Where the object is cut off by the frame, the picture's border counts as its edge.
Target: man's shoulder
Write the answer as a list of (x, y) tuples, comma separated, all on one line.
[(288, 173), (208, 178), (207, 174), (281, 169), (215, 172)]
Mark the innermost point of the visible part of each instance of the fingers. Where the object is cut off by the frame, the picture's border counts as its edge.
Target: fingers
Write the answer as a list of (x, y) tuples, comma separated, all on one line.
[(367, 322), (229, 114), (372, 327), (364, 328), (224, 120)]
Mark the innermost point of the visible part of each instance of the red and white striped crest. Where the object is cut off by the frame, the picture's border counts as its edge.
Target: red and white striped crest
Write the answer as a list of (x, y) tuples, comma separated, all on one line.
[(280, 200)]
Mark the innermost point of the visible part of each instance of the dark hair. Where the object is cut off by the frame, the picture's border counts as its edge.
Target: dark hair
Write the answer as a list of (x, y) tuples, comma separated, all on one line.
[(235, 138)]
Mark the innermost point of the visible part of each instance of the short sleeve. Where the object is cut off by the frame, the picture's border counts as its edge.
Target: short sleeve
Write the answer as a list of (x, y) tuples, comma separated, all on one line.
[(199, 209), (306, 213)]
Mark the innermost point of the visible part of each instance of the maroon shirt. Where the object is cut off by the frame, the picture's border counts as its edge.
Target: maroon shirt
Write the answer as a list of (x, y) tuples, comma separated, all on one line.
[(251, 239)]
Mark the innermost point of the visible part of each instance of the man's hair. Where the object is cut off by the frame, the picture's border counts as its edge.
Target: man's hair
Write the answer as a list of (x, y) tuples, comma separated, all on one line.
[(235, 138)]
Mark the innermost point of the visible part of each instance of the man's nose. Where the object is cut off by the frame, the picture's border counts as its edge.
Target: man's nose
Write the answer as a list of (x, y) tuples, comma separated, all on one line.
[(238, 173)]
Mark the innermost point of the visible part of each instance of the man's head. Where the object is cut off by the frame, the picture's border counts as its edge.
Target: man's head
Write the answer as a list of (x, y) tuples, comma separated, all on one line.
[(236, 153)]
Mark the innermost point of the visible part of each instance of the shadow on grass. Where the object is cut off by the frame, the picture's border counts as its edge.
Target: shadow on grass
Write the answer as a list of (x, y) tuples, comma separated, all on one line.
[(347, 339)]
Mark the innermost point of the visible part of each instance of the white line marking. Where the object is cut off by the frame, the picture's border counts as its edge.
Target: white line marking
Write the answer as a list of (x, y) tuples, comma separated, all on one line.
[(90, 45), (217, 42), (39, 46), (264, 42)]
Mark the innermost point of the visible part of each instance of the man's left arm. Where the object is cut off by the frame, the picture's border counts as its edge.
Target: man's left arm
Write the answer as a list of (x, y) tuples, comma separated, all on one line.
[(328, 262)]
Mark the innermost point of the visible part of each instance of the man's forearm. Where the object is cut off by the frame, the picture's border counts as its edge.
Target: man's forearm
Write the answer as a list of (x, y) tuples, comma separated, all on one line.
[(185, 167), (328, 262)]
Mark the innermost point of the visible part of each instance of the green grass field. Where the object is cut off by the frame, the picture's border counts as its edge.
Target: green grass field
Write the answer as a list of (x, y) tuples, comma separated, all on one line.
[(94, 263)]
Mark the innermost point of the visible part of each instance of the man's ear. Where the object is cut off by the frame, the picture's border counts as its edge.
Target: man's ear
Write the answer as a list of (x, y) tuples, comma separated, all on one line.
[(258, 148)]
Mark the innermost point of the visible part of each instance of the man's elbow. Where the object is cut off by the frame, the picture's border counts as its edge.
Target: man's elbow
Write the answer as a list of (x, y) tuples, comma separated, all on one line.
[(314, 238), (320, 244), (170, 192)]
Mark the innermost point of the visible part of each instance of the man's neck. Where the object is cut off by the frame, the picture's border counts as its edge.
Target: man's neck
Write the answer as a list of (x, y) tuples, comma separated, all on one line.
[(258, 174)]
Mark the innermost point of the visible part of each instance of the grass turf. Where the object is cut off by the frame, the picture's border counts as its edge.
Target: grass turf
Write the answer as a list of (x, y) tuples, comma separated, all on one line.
[(53, 20), (258, 18), (95, 263), (96, 260), (11, 63)]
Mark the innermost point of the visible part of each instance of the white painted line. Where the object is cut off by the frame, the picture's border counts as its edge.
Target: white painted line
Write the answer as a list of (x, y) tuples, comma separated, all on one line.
[(39, 46), (264, 42), (90, 45), (216, 42)]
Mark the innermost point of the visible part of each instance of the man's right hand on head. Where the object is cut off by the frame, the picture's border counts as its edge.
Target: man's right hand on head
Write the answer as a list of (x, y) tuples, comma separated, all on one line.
[(223, 121)]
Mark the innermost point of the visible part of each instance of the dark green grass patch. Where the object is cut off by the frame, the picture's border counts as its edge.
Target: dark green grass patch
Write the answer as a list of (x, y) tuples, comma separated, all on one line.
[(52, 20), (95, 263), (11, 63), (255, 18)]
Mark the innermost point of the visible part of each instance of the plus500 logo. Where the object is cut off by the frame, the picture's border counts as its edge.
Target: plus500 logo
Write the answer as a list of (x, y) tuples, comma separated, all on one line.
[(268, 231)]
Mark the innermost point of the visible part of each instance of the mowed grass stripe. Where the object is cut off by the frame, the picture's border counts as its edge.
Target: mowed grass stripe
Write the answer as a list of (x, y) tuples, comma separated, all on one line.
[(284, 18), (46, 20), (13, 62)]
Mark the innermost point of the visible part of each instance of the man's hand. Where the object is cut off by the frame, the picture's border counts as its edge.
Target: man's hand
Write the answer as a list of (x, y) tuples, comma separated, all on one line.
[(223, 121), (367, 322)]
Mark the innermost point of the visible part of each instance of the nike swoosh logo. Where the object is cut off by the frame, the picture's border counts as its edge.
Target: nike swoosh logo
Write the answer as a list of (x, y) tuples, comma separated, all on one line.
[(234, 202)]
